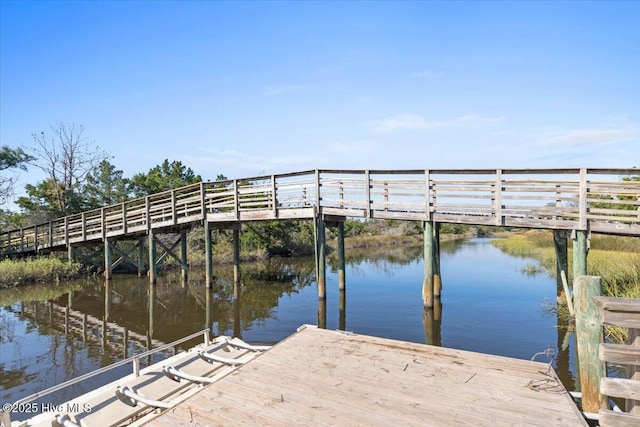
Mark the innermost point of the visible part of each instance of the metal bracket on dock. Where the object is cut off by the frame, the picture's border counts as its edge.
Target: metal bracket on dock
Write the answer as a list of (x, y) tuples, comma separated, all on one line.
[(131, 398), (238, 343), (65, 421), (177, 375), (212, 358)]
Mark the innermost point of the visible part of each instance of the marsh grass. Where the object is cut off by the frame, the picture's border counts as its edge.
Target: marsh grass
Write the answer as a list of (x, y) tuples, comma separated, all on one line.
[(615, 259), (14, 273)]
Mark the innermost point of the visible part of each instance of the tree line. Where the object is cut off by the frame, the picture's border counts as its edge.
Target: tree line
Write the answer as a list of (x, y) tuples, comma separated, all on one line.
[(78, 176)]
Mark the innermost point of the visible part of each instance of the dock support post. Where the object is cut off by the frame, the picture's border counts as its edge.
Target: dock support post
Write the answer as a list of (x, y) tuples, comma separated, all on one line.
[(236, 256), (341, 262), (153, 270), (70, 253), (140, 246), (429, 265), (183, 256), (588, 338), (562, 259), (237, 327), (580, 252), (437, 280), (320, 259), (322, 313), (342, 310), (208, 257), (107, 259)]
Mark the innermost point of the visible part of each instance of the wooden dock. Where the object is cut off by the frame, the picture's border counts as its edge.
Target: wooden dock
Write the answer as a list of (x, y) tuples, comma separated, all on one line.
[(321, 377)]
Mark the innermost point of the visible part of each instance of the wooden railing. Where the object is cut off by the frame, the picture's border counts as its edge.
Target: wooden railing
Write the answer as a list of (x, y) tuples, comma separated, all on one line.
[(625, 313), (598, 200)]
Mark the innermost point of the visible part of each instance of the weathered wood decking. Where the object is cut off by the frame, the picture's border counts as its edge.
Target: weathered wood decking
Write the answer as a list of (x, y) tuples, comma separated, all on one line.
[(597, 200), (320, 377)]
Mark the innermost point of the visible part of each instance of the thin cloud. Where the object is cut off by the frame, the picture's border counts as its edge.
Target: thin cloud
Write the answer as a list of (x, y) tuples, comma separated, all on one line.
[(281, 89), (594, 137), (351, 147), (415, 122)]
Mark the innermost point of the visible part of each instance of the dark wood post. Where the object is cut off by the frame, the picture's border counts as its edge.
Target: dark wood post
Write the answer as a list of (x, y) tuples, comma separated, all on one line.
[(208, 256), (321, 275), (341, 261), (107, 259), (153, 268), (236, 256)]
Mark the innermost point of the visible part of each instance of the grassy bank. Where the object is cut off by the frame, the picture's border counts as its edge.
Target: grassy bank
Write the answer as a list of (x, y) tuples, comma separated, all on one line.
[(615, 259), (18, 272)]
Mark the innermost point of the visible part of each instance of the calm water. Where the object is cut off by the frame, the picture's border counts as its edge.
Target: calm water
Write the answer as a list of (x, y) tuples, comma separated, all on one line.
[(49, 334)]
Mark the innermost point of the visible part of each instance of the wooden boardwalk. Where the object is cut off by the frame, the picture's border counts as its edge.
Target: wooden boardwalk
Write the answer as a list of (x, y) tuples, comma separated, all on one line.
[(597, 200), (320, 377)]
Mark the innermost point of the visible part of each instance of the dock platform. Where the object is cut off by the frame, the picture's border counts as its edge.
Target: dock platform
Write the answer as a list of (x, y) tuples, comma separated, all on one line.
[(321, 377)]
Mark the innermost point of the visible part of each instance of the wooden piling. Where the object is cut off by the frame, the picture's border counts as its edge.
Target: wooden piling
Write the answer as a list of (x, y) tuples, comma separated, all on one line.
[(107, 259), (321, 274), (183, 256), (589, 337), (141, 269), (153, 268), (341, 260), (437, 279), (580, 251), (429, 267), (562, 259), (236, 256), (342, 310), (322, 313), (208, 257)]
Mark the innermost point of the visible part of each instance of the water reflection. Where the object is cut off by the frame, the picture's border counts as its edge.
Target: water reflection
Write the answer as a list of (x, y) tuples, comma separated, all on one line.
[(52, 333)]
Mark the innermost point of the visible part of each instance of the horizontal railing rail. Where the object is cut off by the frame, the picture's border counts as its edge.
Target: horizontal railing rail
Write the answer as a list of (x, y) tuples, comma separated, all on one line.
[(594, 199)]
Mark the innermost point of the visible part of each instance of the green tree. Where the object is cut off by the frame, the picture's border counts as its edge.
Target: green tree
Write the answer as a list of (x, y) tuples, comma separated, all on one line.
[(105, 186), (11, 158), (162, 177)]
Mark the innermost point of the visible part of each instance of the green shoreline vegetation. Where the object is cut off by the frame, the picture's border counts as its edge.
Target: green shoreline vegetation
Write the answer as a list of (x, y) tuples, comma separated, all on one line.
[(616, 259)]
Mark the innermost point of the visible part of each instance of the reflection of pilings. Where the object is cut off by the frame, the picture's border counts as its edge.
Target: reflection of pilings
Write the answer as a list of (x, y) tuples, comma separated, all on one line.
[(322, 313), (82, 325), (152, 305), (342, 311), (432, 320), (237, 332), (208, 307)]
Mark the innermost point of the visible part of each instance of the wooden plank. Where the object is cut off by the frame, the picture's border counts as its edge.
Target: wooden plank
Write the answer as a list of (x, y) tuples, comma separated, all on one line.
[(620, 353), (620, 387), (319, 377), (618, 419)]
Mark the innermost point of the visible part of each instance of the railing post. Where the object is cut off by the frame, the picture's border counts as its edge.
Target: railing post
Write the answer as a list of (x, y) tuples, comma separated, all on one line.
[(203, 209), (583, 199), (174, 214), (147, 212), (124, 218), (103, 220), (498, 198), (367, 178), (317, 190), (236, 198), (84, 226), (35, 238), (66, 230), (50, 233), (274, 195), (589, 337)]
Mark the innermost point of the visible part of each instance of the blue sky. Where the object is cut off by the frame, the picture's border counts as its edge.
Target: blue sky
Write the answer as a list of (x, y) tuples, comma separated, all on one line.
[(251, 88)]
